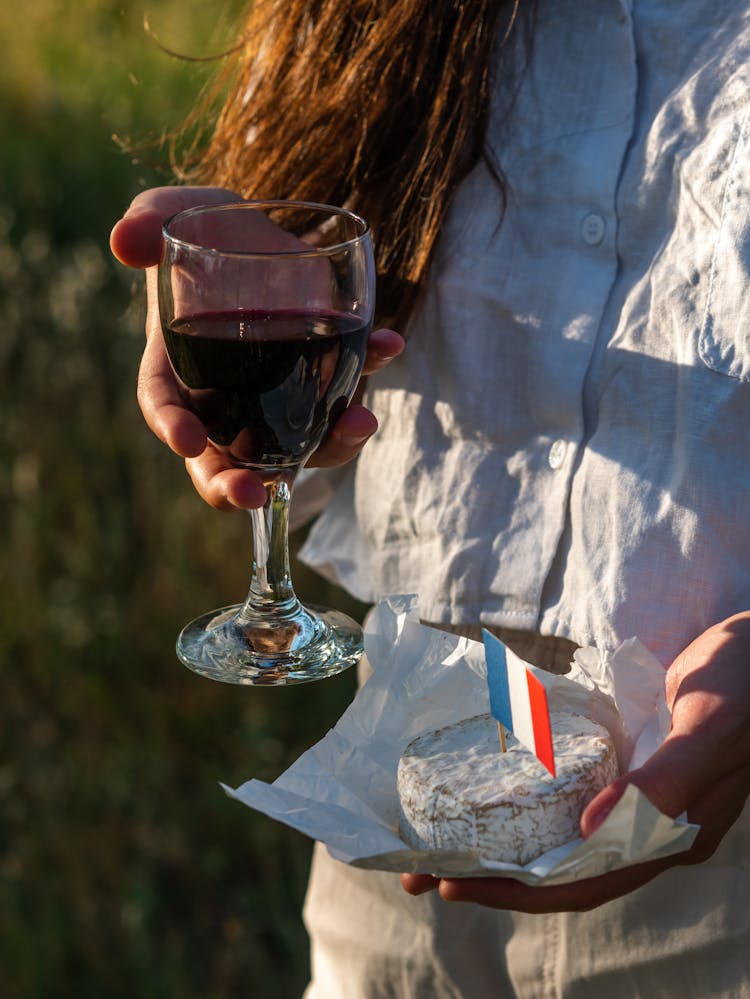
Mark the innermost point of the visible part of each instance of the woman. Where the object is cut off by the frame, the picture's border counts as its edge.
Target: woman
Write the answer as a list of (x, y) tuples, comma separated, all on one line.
[(559, 196)]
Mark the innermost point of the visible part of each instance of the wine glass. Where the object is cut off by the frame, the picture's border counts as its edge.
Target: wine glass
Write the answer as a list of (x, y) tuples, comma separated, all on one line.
[(265, 309)]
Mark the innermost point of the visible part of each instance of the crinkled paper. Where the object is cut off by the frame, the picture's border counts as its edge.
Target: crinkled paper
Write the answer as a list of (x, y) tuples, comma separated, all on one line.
[(342, 791)]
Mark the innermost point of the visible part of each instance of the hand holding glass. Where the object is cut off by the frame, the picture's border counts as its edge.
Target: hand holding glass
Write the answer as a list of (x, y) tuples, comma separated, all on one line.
[(265, 309)]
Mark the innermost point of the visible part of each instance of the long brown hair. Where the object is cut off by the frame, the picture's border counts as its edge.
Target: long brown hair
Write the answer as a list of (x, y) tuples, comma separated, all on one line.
[(380, 105)]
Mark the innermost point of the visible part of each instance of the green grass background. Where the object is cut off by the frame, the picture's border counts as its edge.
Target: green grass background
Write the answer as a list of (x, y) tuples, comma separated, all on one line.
[(124, 870)]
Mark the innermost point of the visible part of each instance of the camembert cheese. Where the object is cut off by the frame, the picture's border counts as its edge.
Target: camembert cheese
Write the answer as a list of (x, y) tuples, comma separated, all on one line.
[(458, 791)]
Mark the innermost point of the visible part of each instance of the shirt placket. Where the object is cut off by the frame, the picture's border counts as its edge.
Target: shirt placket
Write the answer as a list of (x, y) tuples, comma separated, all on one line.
[(564, 154)]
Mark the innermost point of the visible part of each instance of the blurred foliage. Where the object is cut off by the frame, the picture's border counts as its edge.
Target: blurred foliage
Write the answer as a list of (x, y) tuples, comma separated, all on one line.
[(124, 870)]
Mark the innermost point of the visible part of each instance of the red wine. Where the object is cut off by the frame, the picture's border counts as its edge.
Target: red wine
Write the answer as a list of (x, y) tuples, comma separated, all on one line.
[(267, 385)]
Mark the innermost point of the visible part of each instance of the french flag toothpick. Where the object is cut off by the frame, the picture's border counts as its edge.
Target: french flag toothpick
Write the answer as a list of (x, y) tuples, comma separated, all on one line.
[(518, 701)]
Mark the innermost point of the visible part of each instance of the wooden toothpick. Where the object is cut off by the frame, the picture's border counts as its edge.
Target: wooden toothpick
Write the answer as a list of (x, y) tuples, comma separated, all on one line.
[(501, 733)]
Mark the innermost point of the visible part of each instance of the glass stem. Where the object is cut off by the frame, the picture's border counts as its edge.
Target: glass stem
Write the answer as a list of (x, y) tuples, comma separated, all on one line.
[(271, 592)]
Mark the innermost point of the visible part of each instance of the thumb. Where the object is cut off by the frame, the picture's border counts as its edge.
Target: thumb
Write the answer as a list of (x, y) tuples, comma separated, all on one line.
[(136, 239), (676, 775)]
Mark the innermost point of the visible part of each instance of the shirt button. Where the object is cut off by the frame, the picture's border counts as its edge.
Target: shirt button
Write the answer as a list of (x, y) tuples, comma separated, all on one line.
[(556, 454), (593, 228)]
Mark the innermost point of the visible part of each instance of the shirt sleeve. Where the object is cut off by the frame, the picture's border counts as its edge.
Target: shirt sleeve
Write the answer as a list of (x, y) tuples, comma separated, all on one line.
[(313, 490)]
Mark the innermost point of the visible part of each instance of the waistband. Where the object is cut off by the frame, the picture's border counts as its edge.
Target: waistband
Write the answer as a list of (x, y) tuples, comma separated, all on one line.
[(544, 651)]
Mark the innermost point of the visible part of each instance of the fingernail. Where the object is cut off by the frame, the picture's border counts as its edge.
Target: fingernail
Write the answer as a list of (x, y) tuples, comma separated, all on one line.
[(598, 819)]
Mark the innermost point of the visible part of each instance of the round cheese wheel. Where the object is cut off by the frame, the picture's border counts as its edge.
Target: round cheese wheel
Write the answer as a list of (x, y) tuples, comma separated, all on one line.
[(459, 791)]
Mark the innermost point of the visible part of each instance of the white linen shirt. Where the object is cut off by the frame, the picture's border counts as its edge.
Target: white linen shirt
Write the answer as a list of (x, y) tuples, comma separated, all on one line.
[(564, 444), (563, 448)]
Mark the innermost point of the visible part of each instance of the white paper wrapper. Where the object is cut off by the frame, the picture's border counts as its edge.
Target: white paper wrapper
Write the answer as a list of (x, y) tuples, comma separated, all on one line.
[(343, 790)]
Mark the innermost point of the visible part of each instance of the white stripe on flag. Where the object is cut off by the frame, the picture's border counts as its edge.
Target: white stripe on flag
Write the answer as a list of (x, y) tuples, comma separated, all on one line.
[(520, 704)]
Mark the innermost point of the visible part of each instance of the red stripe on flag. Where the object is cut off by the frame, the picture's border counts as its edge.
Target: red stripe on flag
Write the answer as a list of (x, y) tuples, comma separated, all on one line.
[(540, 722)]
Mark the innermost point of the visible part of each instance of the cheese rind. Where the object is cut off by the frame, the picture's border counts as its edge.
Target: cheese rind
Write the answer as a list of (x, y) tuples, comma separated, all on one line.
[(458, 791)]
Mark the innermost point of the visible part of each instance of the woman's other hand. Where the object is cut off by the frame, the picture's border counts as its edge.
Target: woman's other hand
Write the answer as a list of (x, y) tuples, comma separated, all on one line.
[(702, 768), (136, 241)]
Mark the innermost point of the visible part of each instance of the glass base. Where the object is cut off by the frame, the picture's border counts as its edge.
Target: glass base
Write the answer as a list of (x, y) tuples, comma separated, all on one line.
[(235, 646)]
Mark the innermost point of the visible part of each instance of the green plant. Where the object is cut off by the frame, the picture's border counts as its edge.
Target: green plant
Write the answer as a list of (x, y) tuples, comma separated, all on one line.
[(124, 869)]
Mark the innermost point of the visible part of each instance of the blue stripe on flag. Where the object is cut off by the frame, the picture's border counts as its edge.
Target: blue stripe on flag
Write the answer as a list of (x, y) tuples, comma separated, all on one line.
[(497, 680)]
